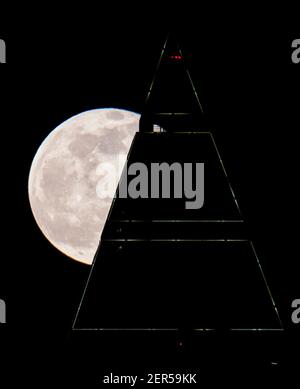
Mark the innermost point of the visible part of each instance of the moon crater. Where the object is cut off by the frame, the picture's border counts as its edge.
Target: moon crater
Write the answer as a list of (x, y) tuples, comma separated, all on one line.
[(64, 175)]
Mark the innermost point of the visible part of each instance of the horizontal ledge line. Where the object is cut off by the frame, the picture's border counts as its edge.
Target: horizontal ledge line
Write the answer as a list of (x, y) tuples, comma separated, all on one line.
[(198, 132), (256, 329), (125, 329), (174, 240), (175, 221), (177, 329), (240, 329)]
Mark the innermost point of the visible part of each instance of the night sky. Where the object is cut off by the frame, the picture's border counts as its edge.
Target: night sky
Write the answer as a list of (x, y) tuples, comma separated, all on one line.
[(58, 66)]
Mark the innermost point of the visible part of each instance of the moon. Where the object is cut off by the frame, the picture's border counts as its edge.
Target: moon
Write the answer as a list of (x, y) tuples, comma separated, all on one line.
[(67, 174)]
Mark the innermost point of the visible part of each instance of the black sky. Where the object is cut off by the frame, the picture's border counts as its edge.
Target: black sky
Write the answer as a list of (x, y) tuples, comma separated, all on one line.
[(58, 67)]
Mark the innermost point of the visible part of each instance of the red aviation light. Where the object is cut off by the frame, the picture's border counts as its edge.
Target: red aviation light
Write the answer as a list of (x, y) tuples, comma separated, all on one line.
[(175, 57)]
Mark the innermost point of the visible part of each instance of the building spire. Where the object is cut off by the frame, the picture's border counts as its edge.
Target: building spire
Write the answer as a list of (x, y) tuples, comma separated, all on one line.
[(172, 101)]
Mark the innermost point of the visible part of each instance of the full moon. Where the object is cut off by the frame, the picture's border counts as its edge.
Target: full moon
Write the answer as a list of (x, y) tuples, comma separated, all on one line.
[(67, 171)]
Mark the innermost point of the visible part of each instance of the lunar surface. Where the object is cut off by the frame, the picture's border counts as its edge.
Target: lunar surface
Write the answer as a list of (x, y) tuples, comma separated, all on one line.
[(67, 173)]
